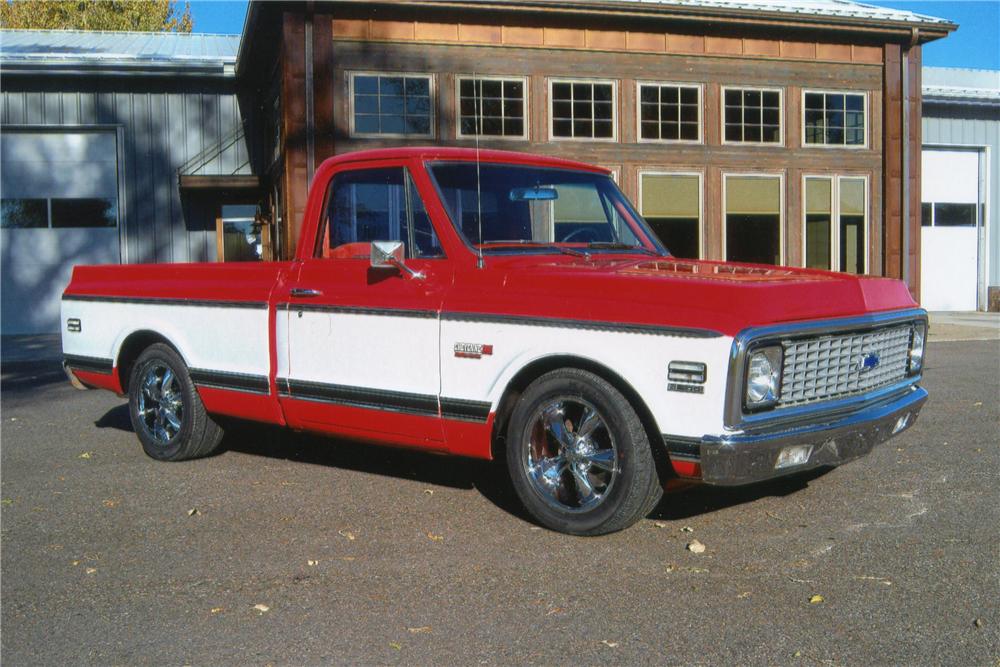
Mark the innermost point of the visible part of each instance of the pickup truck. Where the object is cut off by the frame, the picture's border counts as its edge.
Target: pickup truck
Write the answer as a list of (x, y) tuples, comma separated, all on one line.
[(498, 304)]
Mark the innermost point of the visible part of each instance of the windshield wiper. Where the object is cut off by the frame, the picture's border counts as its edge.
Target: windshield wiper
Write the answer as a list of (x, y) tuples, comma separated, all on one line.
[(614, 245), (537, 244)]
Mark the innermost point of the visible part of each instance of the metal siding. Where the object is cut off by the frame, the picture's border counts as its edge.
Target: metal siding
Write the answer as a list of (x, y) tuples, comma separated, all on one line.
[(976, 132), (163, 127)]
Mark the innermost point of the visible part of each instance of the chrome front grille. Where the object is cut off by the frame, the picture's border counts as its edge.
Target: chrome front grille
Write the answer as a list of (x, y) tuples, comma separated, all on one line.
[(838, 365)]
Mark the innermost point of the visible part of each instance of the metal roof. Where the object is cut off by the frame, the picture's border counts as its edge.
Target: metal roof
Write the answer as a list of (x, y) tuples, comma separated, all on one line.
[(827, 8), (957, 85), (82, 51)]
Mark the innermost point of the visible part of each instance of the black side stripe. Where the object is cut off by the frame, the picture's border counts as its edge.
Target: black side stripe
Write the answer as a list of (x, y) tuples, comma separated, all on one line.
[(359, 310), (380, 399), (92, 364), (459, 408), (588, 325), (681, 447), (492, 318), (155, 301), (257, 384)]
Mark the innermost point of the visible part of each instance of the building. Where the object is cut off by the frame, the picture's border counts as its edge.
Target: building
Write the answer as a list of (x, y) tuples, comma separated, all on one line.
[(116, 147), (960, 252), (764, 130), (760, 130)]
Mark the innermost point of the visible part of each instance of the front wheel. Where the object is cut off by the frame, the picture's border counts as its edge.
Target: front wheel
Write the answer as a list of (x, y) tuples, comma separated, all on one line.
[(578, 455), (167, 413)]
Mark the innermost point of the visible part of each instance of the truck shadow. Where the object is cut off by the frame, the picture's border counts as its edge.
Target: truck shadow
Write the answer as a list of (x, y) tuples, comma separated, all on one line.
[(487, 477)]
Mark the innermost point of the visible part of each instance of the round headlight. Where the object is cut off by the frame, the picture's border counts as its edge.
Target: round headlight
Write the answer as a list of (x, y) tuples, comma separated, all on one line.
[(763, 377)]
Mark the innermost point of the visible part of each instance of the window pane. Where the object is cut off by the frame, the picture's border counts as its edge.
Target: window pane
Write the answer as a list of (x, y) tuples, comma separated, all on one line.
[(24, 213), (364, 206), (84, 213), (671, 206), (679, 235), (925, 214), (753, 116), (852, 225), (954, 215), (753, 219), (392, 105), (835, 119), (819, 216), (423, 242), (591, 110), (500, 107)]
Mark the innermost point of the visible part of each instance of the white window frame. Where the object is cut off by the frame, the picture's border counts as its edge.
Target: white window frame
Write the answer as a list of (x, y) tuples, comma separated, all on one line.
[(835, 179), (865, 109), (526, 118), (701, 112), (701, 199), (614, 109), (392, 135), (780, 175), (781, 116)]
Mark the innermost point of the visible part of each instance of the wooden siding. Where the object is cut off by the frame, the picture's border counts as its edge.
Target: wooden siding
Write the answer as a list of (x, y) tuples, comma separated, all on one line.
[(367, 29), (165, 123)]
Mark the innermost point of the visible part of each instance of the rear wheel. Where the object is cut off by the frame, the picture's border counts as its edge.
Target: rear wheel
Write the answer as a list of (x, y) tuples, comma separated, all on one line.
[(579, 456), (167, 413)]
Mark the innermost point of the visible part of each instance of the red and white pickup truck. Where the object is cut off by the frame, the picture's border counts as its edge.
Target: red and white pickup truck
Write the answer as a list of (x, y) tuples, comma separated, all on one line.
[(493, 303)]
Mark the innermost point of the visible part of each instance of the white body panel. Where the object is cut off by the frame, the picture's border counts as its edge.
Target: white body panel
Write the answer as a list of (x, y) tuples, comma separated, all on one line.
[(640, 359), (220, 338), (362, 350), (409, 354)]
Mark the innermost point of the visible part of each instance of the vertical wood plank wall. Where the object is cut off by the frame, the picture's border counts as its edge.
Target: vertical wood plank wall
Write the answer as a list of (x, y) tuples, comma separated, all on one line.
[(446, 50)]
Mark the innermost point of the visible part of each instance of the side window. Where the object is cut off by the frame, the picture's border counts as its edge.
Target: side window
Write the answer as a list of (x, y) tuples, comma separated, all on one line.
[(376, 205)]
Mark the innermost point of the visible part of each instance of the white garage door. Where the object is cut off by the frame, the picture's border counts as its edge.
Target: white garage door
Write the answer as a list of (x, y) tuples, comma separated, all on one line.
[(949, 263), (59, 194)]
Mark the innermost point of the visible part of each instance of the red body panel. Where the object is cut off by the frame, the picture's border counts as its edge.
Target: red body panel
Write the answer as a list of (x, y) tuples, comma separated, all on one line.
[(620, 288)]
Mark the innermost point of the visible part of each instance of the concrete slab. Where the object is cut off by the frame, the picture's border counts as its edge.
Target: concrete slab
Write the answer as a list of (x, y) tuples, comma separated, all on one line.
[(949, 327)]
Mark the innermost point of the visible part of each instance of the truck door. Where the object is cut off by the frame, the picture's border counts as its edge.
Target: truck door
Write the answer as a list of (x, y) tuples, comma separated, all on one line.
[(358, 347)]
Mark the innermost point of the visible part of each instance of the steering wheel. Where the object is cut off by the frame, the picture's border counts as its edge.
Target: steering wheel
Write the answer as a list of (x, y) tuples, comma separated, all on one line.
[(582, 231)]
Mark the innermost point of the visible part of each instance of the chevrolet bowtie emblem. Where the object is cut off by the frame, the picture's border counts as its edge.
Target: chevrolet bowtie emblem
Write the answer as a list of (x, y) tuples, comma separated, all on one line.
[(868, 361)]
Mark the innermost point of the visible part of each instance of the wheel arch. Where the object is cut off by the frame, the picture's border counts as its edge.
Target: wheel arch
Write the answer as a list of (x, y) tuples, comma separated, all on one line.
[(539, 367), (133, 345)]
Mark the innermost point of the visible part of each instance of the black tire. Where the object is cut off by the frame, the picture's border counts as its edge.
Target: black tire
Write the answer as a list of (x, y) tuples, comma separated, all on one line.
[(190, 433), (616, 498)]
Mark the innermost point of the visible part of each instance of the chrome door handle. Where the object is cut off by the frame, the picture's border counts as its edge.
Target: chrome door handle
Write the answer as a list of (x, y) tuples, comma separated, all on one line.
[(301, 291)]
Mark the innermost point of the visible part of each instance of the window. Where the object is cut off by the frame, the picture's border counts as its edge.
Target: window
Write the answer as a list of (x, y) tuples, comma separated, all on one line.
[(669, 112), (391, 105), (752, 115), (59, 180), (377, 205), (492, 107), (239, 234), (671, 206), (942, 214), (505, 208), (753, 218), (841, 199), (834, 119), (582, 110)]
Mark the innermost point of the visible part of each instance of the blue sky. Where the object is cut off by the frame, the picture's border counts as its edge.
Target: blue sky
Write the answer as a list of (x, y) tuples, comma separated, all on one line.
[(975, 44)]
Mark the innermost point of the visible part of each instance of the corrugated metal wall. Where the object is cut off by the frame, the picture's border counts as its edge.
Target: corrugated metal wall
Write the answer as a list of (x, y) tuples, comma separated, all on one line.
[(951, 126), (165, 123)]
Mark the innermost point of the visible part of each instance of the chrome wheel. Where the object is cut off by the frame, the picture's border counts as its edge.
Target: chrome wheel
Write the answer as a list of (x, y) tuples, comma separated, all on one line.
[(571, 457), (160, 404)]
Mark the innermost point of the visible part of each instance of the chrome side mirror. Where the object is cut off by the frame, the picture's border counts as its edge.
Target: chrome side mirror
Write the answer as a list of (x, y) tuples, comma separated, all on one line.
[(389, 255)]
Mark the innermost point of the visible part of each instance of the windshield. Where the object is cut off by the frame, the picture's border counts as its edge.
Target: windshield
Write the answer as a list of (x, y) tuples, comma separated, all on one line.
[(500, 207)]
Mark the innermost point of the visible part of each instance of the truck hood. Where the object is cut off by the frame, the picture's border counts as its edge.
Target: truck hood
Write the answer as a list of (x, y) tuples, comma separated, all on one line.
[(719, 296)]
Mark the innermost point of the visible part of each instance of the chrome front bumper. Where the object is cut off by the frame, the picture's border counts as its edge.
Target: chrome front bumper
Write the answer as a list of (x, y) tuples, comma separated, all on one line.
[(747, 457)]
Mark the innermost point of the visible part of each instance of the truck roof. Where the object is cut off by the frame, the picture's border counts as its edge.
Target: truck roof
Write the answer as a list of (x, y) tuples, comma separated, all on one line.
[(461, 154)]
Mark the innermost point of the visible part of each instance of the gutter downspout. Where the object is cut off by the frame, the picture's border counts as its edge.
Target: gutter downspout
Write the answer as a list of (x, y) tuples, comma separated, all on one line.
[(905, 75), (310, 99)]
